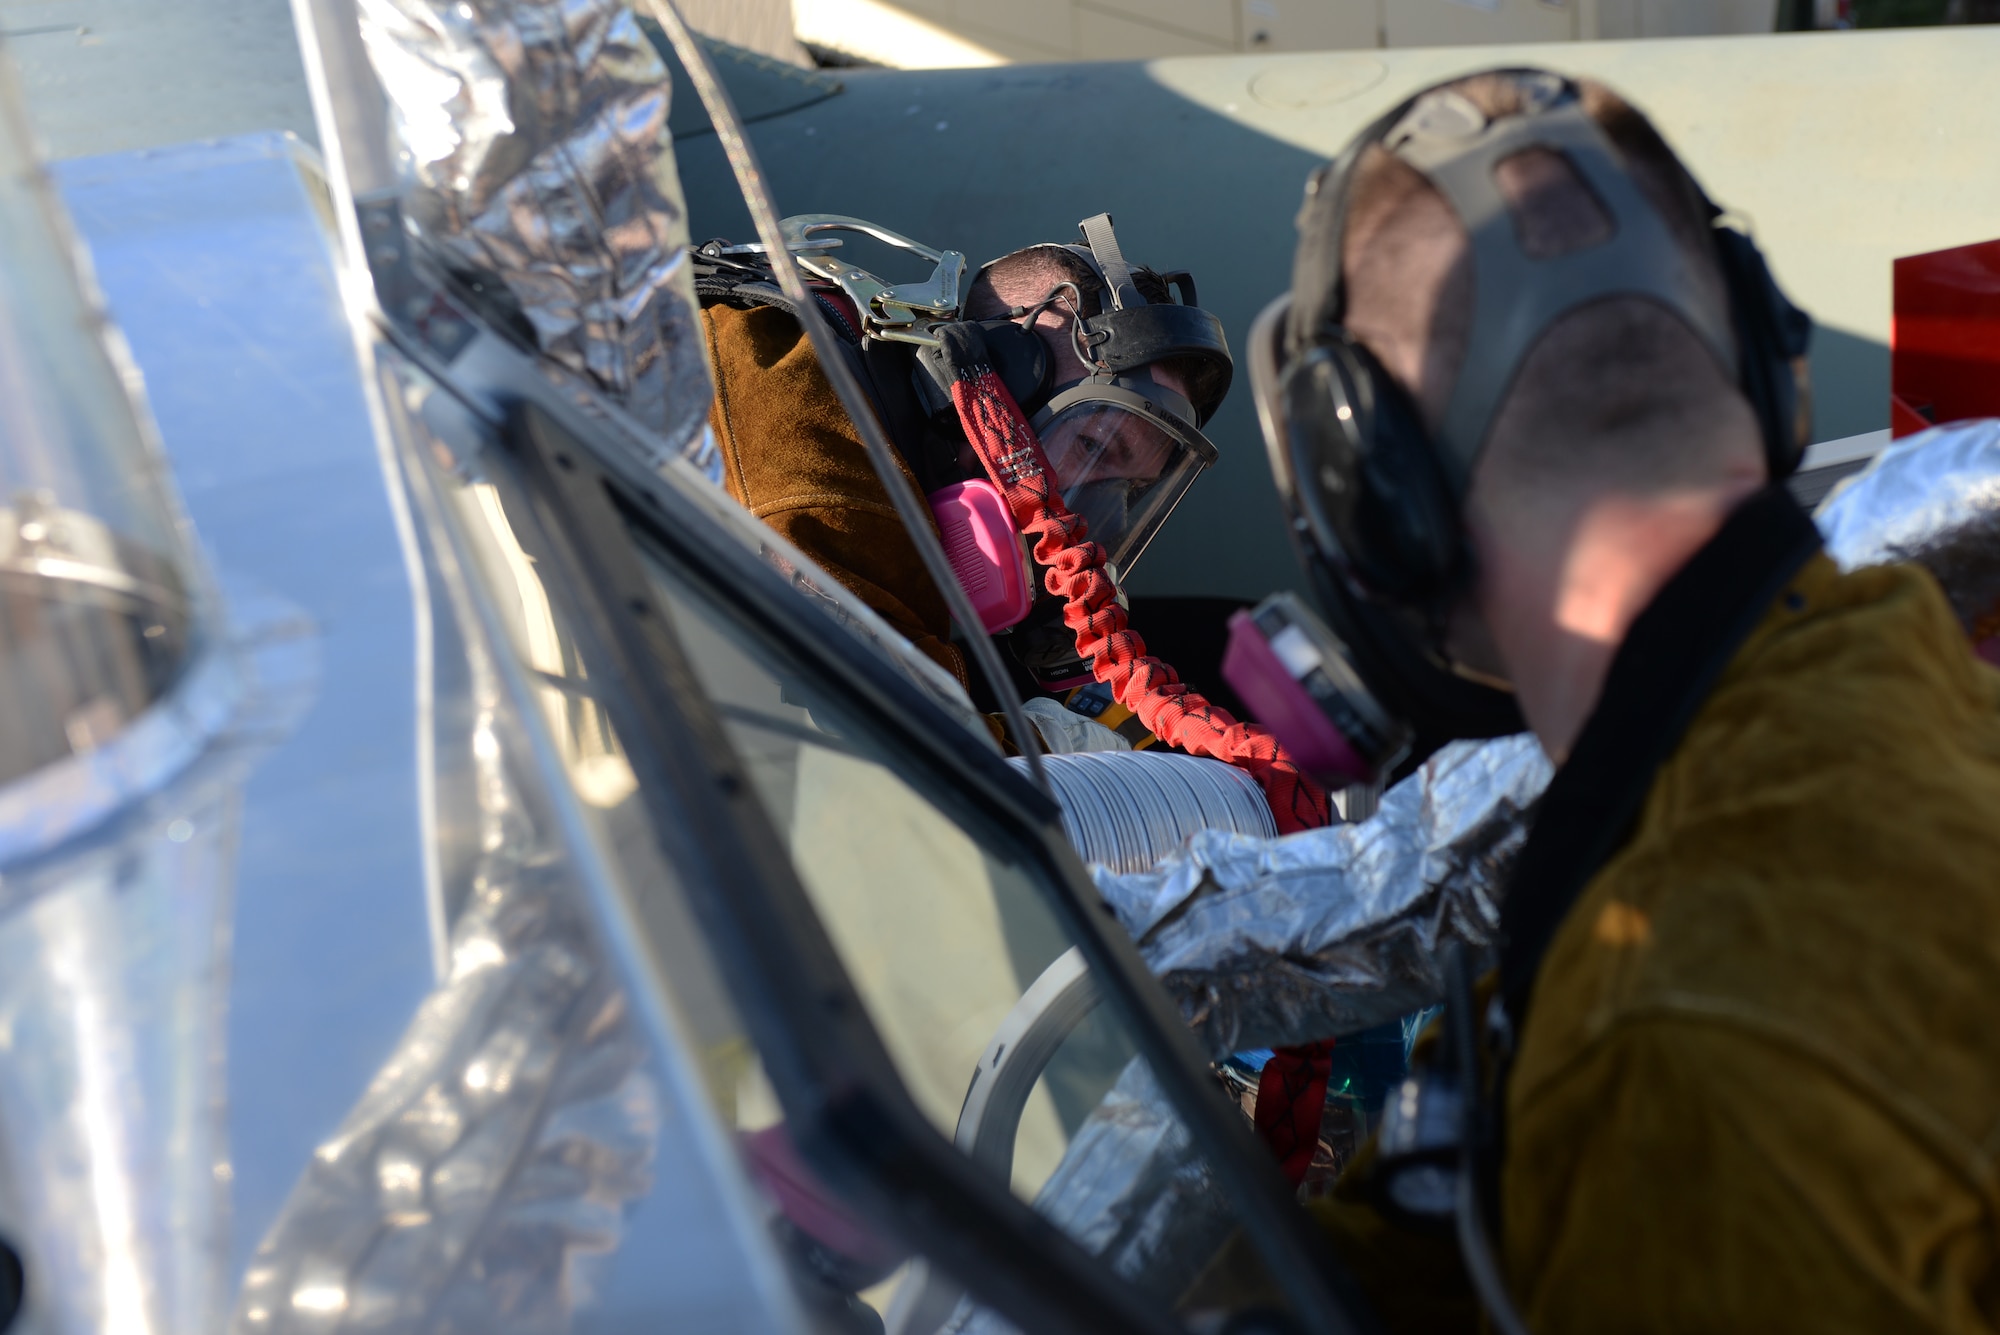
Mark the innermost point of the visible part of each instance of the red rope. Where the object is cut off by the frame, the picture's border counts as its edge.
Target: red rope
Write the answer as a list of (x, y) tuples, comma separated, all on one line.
[(1013, 457), (1291, 1099)]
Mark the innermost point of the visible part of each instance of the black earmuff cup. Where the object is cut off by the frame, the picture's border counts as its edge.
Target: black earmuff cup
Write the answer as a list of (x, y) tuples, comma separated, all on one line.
[(1021, 360), (1773, 337), (1367, 481)]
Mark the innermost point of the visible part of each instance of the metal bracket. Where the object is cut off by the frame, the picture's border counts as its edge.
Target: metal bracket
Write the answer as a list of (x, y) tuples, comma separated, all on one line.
[(903, 313)]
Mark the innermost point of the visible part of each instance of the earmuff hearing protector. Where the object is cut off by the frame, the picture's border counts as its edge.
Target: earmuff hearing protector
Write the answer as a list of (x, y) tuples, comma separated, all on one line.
[(1379, 495), (1126, 335)]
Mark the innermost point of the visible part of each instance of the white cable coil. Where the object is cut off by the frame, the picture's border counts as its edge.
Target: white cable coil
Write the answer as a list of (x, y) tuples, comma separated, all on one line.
[(1129, 809)]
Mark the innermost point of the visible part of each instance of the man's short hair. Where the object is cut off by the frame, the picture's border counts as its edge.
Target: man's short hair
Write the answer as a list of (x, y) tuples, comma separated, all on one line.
[(1624, 374), (1027, 276)]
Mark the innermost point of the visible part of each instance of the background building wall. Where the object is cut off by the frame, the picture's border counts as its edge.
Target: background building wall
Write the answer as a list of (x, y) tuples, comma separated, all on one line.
[(763, 26), (1021, 31)]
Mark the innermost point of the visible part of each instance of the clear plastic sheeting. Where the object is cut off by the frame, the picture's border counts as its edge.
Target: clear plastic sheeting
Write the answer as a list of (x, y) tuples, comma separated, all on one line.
[(1267, 942), (1932, 498), (1128, 809), (129, 712), (533, 137), (1132, 1189)]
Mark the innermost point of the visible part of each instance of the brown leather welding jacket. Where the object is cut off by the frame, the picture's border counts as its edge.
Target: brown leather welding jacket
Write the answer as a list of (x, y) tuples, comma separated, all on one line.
[(792, 457), (1757, 1083)]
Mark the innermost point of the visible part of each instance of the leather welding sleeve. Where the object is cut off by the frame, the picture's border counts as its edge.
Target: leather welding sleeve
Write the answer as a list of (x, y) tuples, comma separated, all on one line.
[(793, 458), (1689, 1173)]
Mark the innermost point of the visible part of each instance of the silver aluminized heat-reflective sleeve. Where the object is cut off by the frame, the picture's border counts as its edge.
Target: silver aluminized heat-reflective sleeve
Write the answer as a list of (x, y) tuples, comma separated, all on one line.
[(1133, 1190), (1267, 942), (532, 139), (1933, 498)]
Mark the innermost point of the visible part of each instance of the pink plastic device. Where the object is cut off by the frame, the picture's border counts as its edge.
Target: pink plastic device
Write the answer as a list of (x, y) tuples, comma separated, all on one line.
[(1276, 699), (815, 1210), (984, 551)]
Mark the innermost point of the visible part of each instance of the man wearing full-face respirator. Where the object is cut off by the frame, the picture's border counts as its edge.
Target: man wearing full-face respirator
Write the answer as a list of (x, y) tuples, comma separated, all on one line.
[(1530, 403), (1052, 414)]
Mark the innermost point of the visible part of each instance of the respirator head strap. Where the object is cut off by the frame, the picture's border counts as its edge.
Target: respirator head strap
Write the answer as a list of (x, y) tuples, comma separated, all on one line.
[(1131, 332), (1103, 242), (1121, 341), (1517, 297)]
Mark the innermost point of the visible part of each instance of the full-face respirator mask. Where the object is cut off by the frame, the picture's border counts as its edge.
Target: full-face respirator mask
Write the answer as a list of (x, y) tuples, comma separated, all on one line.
[(1124, 445), (1366, 683)]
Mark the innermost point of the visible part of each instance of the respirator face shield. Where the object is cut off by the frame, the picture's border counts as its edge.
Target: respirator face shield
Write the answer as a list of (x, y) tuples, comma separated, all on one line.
[(1125, 450), (1119, 424)]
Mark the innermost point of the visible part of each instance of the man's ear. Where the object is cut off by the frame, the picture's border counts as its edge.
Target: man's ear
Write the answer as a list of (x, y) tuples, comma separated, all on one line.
[(1065, 367)]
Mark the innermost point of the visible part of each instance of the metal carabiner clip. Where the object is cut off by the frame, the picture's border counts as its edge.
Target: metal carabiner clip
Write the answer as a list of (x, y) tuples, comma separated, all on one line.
[(903, 312)]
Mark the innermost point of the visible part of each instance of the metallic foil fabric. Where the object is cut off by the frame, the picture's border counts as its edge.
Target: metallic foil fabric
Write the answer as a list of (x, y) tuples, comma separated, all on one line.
[(1132, 1189), (1932, 498), (1266, 942), (532, 135)]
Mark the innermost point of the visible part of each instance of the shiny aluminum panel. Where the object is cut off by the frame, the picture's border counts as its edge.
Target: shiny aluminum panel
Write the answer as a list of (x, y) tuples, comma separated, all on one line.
[(217, 259), (217, 266)]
